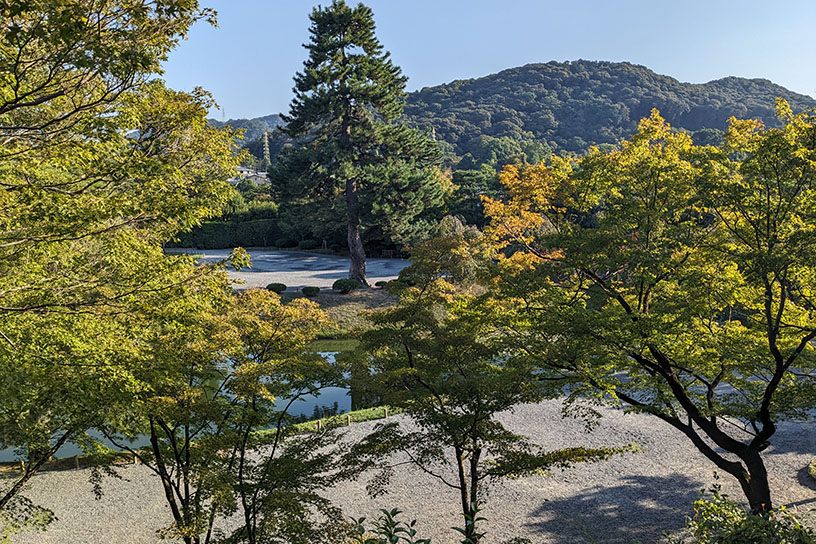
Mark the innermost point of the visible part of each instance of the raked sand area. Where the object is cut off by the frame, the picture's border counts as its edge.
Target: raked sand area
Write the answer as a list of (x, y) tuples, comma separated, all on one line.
[(298, 269), (630, 498)]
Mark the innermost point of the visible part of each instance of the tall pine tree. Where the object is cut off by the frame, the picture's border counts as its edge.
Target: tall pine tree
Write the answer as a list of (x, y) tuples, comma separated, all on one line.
[(344, 117), (265, 162)]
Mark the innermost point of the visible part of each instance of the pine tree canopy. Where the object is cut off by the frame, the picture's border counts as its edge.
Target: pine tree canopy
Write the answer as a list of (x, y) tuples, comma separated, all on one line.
[(343, 117)]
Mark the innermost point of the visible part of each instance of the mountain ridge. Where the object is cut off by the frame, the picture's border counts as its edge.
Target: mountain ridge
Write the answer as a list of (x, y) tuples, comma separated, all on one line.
[(527, 111)]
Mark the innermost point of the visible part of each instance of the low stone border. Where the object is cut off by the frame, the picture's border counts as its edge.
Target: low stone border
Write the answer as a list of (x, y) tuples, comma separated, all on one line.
[(13, 469)]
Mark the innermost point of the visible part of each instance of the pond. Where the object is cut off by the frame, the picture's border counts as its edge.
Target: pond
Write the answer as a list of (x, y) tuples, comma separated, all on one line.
[(332, 400)]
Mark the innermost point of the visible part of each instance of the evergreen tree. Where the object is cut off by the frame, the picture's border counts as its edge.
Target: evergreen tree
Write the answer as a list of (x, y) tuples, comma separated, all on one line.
[(347, 100), (266, 160)]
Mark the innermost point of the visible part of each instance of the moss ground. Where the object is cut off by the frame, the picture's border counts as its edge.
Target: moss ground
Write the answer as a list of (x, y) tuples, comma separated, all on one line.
[(348, 311)]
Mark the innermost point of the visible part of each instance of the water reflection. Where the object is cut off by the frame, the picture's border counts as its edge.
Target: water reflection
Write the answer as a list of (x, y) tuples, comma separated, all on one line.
[(330, 401)]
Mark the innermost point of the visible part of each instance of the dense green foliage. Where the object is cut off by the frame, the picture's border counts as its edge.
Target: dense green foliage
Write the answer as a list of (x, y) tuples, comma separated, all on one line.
[(719, 520), (101, 164), (677, 279), (249, 219), (572, 105), (523, 113)]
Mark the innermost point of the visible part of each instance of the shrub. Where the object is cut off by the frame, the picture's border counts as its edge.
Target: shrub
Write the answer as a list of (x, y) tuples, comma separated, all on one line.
[(310, 291), (812, 469), (387, 528), (380, 283), (395, 287), (229, 234), (406, 278), (722, 521), (309, 244), (285, 242), (277, 287), (346, 285)]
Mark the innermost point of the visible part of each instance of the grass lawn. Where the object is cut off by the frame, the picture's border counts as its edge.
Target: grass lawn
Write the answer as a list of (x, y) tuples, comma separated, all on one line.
[(340, 420)]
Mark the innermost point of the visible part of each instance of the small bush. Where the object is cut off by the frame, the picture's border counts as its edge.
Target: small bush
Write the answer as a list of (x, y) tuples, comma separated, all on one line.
[(310, 291), (387, 528), (380, 284), (395, 287), (722, 521), (812, 469), (309, 244), (277, 287), (286, 243), (346, 285), (406, 277)]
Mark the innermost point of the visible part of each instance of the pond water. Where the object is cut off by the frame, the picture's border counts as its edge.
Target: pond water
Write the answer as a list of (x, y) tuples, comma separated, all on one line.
[(331, 400)]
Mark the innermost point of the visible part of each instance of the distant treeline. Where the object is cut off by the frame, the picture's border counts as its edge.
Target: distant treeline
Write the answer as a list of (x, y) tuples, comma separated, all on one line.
[(525, 113), (520, 115)]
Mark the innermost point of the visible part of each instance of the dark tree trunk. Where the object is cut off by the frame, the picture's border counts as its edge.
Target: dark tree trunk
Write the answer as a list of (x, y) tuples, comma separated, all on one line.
[(357, 269), (32, 469), (470, 534), (468, 498), (463, 490), (755, 484), (749, 471), (167, 482)]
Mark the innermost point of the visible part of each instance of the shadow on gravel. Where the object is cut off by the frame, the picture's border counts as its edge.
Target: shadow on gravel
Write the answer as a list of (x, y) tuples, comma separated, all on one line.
[(805, 480), (638, 510), (334, 274), (794, 437)]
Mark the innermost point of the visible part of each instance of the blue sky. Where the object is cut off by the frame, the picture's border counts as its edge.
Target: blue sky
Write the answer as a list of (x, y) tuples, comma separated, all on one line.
[(247, 63)]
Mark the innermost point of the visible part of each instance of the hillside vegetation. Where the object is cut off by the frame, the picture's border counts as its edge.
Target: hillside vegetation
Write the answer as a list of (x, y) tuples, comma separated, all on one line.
[(571, 105), (253, 128), (520, 115), (525, 113)]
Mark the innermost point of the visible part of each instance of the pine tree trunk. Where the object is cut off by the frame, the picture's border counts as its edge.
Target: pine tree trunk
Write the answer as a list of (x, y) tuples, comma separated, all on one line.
[(357, 269)]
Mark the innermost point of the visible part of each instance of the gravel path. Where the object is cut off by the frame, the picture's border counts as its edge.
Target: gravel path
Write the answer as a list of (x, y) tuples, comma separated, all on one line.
[(630, 498), (297, 269)]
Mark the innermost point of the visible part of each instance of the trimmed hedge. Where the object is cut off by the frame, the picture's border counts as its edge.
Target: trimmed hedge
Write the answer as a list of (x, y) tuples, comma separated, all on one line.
[(229, 234), (308, 244), (346, 285), (285, 243), (277, 287), (310, 291)]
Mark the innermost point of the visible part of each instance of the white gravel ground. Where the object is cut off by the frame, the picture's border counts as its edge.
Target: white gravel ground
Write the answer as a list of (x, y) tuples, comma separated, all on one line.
[(630, 498), (298, 269)]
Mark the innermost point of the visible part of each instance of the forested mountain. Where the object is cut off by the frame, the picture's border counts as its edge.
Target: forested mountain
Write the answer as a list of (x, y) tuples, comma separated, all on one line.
[(254, 128), (523, 113), (570, 105)]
